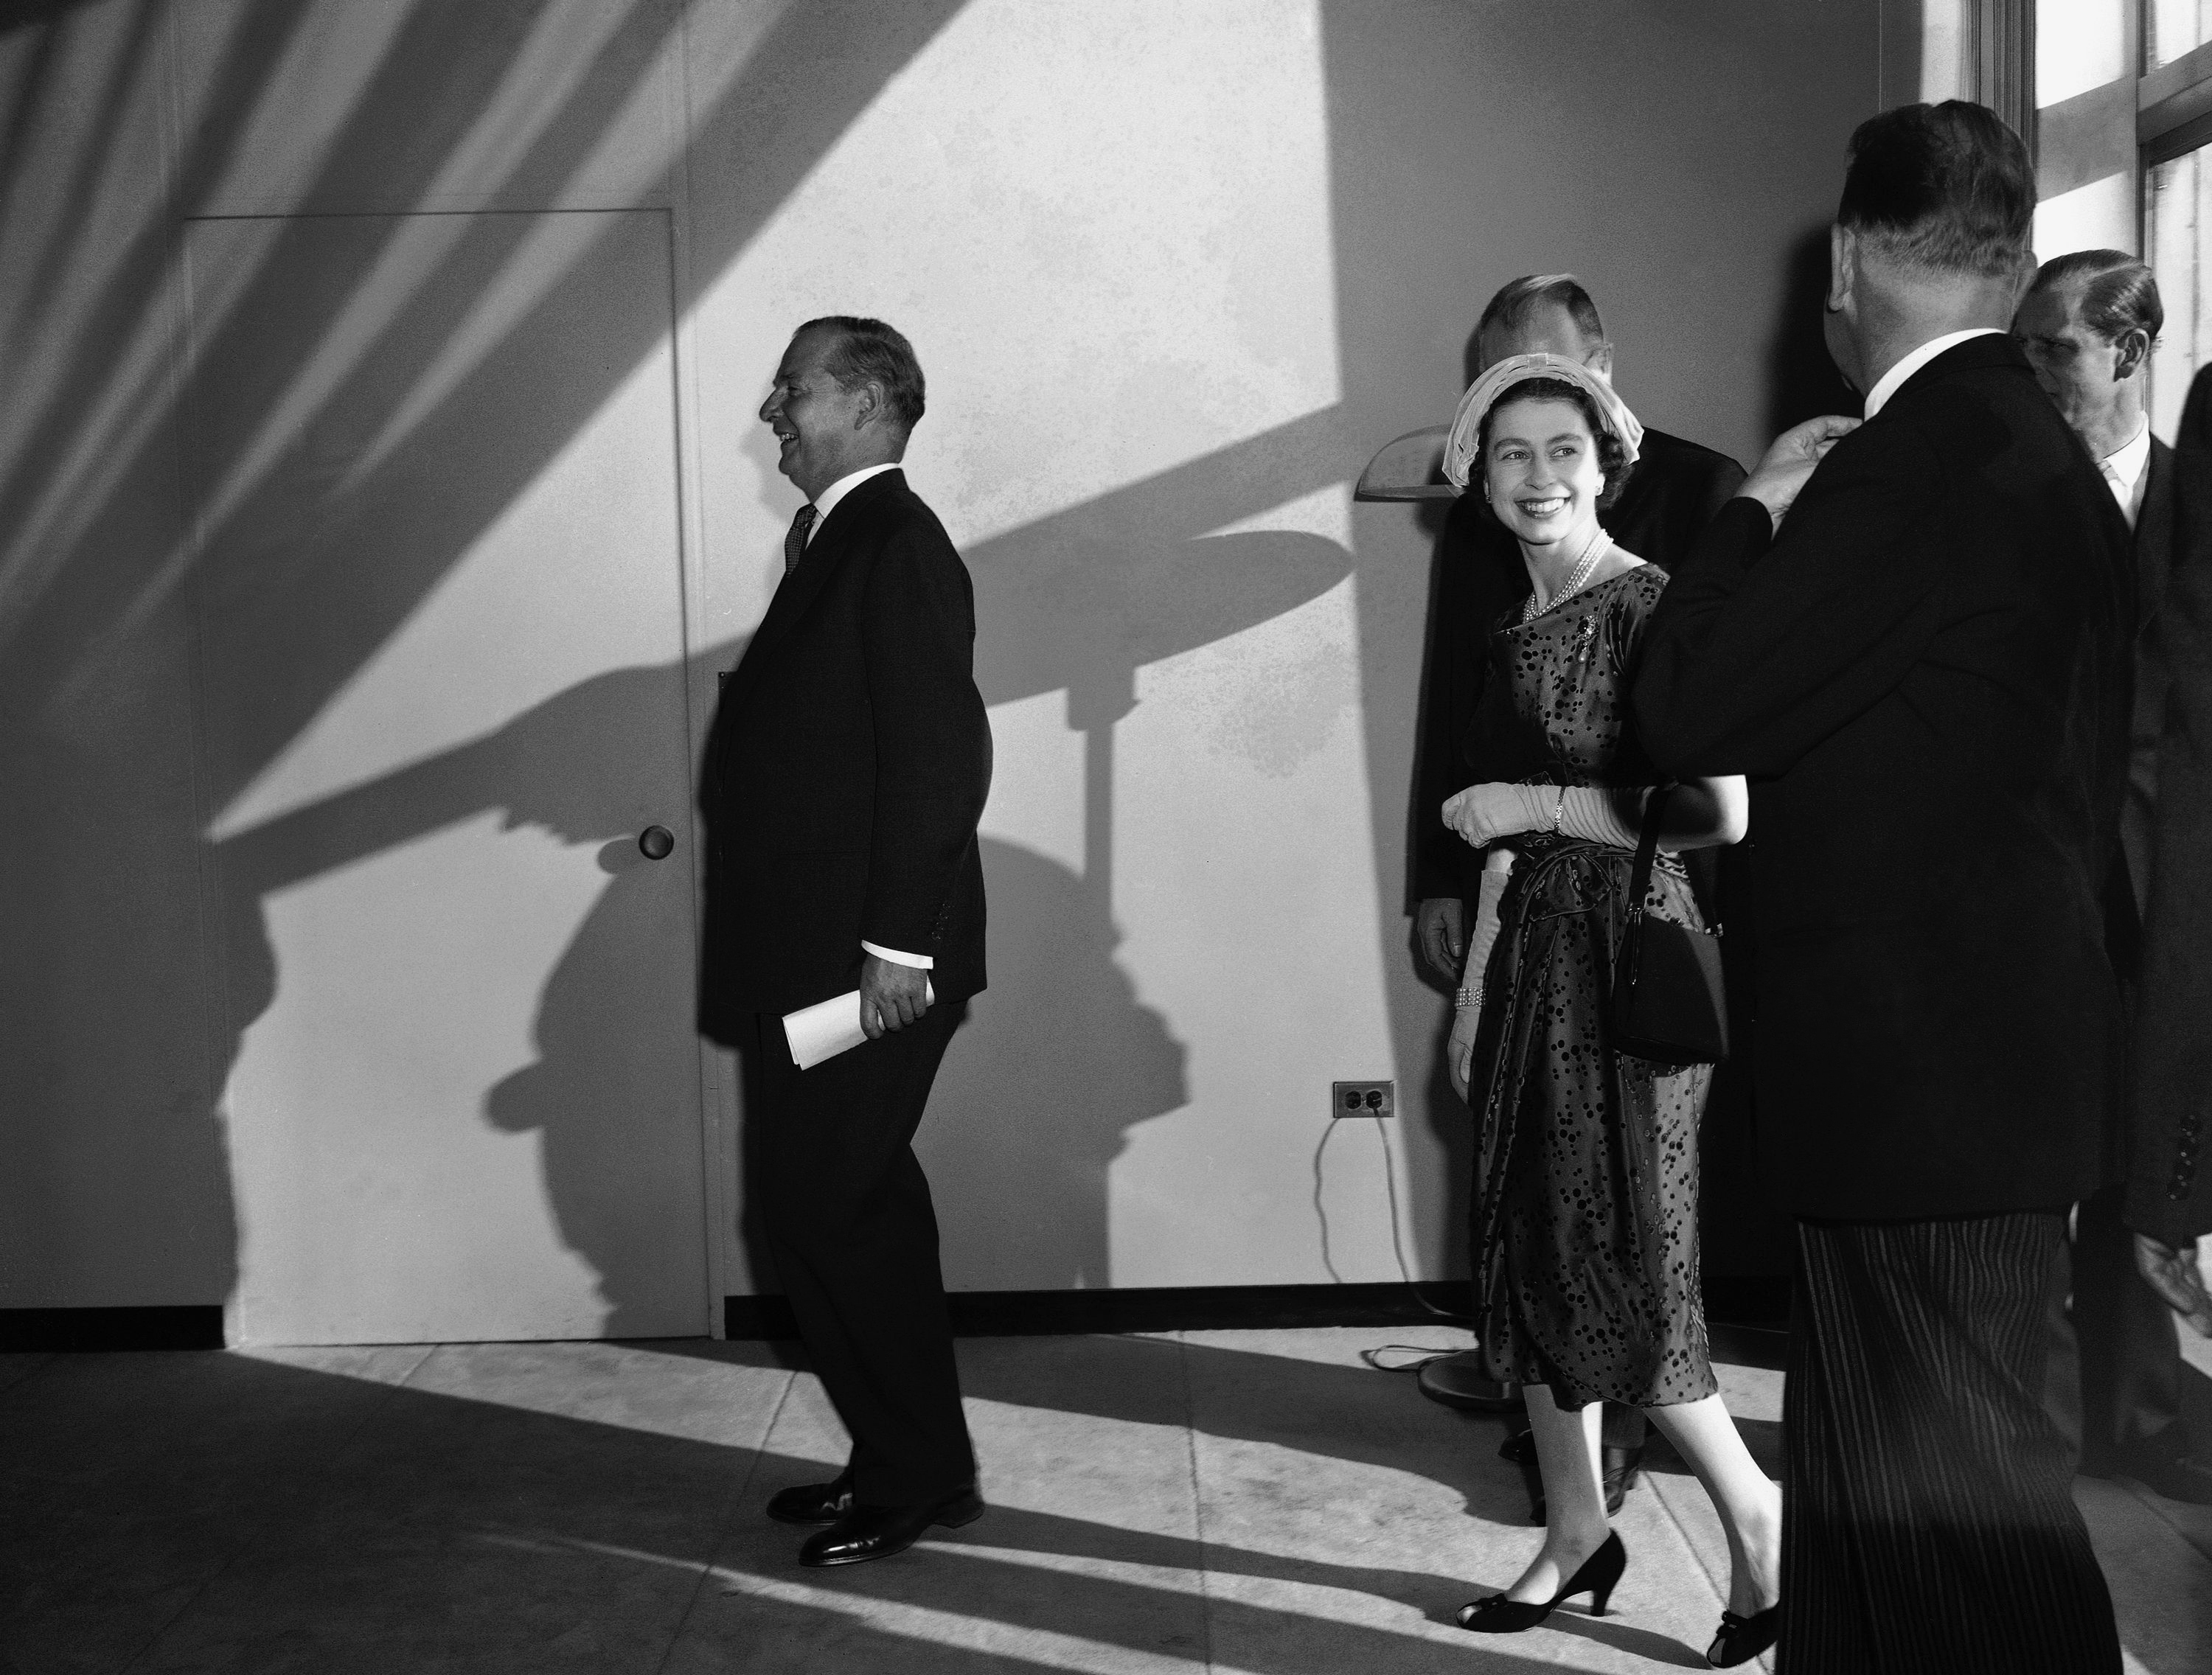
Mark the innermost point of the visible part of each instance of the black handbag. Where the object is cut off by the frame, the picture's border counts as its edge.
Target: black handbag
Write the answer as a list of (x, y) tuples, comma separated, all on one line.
[(1668, 1004)]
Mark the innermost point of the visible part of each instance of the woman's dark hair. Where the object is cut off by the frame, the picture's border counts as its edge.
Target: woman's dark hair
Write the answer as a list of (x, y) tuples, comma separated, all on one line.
[(1611, 456)]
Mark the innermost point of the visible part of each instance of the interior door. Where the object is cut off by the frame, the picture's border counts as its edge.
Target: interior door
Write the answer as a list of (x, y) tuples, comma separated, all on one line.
[(438, 595)]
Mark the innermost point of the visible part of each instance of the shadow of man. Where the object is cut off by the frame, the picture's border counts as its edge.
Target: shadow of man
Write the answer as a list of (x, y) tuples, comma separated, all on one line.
[(614, 1094), (1060, 1060)]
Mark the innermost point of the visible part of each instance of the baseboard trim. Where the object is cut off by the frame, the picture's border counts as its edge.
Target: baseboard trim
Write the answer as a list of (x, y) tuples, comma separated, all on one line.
[(1163, 1309), (1752, 1302), (172, 1326)]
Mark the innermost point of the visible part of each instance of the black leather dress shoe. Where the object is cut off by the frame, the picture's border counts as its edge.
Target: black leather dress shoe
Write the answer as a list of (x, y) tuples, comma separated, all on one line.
[(1463, 1381), (1621, 1466), (813, 1502), (867, 1532)]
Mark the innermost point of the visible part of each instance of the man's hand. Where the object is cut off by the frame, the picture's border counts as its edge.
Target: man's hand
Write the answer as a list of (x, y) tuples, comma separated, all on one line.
[(1790, 461), (1485, 813), (2171, 1271), (1440, 932), (892, 995)]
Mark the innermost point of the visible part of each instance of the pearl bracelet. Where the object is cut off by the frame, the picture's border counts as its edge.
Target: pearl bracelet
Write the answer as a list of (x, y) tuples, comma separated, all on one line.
[(1468, 995)]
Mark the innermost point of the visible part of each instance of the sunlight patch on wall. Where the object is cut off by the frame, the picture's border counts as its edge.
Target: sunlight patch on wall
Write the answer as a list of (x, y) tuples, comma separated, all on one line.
[(1325, 512), (2079, 44), (1107, 232), (2101, 216), (1254, 934), (1040, 806)]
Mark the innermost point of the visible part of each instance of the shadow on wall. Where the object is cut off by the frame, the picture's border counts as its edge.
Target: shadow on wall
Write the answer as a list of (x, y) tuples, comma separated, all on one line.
[(123, 1189), (97, 640), (1058, 1062), (565, 766), (1802, 382), (1020, 1138)]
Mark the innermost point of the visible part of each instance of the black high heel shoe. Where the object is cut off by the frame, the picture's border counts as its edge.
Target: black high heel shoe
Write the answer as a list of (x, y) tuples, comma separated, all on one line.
[(1497, 1615), (1744, 1638)]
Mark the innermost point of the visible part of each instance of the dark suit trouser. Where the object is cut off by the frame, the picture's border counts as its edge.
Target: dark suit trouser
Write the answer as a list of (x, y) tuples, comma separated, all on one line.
[(1927, 1518), (2130, 1354), (848, 1213)]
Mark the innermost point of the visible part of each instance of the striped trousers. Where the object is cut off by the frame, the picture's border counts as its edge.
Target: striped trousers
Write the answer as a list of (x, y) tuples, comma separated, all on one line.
[(1928, 1519)]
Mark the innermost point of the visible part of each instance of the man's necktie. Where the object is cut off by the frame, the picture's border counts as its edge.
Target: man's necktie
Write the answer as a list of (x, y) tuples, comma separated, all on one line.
[(2120, 491), (795, 545)]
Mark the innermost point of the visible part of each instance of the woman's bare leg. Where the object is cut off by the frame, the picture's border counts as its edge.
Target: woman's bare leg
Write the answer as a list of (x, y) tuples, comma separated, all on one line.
[(1749, 1502), (1574, 1505)]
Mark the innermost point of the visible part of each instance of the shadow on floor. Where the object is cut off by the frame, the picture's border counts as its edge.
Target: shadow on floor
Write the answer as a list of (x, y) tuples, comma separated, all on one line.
[(216, 1510)]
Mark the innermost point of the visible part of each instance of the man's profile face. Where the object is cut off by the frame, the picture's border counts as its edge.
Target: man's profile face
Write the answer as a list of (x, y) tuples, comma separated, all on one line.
[(816, 423), (2077, 368), (1546, 328)]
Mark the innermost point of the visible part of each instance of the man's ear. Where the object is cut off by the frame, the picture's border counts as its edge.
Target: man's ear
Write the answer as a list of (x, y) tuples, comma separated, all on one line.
[(868, 405), (1599, 361), (2135, 352), (1843, 266)]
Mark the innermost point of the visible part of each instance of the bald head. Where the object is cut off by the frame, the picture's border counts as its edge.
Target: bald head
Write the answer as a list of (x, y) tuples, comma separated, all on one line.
[(1543, 314)]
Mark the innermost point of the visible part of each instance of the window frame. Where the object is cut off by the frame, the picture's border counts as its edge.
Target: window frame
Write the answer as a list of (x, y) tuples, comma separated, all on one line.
[(2173, 103)]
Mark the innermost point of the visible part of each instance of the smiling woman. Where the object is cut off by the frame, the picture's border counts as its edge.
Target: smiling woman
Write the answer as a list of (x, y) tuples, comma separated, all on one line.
[(1549, 465), (1587, 1155)]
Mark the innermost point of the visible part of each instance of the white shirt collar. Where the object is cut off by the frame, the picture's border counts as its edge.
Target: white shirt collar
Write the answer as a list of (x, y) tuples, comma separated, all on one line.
[(2129, 460), (1878, 397), (826, 501), (2127, 473)]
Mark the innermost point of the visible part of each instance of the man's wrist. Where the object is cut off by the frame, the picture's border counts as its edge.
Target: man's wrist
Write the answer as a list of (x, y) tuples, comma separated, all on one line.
[(898, 956)]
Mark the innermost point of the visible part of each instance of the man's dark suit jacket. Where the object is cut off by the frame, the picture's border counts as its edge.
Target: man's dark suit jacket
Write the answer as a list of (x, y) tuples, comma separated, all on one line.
[(2169, 1192), (1672, 493), (2154, 550), (1926, 676), (845, 771)]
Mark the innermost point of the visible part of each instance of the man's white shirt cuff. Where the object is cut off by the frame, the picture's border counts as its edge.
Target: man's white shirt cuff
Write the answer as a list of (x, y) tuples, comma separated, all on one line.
[(919, 962)]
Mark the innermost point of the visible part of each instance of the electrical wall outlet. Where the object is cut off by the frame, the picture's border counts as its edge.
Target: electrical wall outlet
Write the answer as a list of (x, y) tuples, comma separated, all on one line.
[(1363, 1099)]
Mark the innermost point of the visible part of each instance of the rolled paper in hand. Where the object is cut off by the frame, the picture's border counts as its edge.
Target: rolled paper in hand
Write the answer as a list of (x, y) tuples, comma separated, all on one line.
[(830, 1027)]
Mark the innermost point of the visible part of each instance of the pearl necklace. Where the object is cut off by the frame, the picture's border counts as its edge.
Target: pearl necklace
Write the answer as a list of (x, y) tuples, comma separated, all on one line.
[(1593, 550)]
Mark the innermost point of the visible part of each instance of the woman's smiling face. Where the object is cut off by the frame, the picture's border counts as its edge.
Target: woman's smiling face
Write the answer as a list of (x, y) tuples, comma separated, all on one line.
[(1542, 468)]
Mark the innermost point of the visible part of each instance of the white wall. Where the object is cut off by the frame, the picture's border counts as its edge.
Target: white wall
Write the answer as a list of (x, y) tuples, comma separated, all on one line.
[(1174, 272)]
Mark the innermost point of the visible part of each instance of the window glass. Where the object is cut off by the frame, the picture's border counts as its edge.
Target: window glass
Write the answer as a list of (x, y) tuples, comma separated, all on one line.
[(2178, 236), (2174, 27)]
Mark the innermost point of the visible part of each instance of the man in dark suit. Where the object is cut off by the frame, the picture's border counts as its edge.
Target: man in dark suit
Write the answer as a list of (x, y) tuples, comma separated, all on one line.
[(846, 773), (2087, 326), (2169, 1194), (1672, 491), (1925, 670)]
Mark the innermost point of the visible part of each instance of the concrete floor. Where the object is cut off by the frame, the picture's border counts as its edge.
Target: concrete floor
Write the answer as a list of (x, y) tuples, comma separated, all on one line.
[(1255, 1501)]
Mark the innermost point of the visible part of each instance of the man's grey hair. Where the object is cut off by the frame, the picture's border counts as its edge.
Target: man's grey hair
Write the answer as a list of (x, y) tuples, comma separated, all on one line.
[(870, 352), (1518, 299)]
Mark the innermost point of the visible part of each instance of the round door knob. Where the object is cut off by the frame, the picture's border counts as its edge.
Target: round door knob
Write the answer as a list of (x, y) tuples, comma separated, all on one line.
[(656, 843)]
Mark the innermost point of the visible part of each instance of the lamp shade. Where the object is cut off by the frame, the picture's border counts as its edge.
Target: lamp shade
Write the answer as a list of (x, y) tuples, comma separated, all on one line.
[(1409, 468)]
